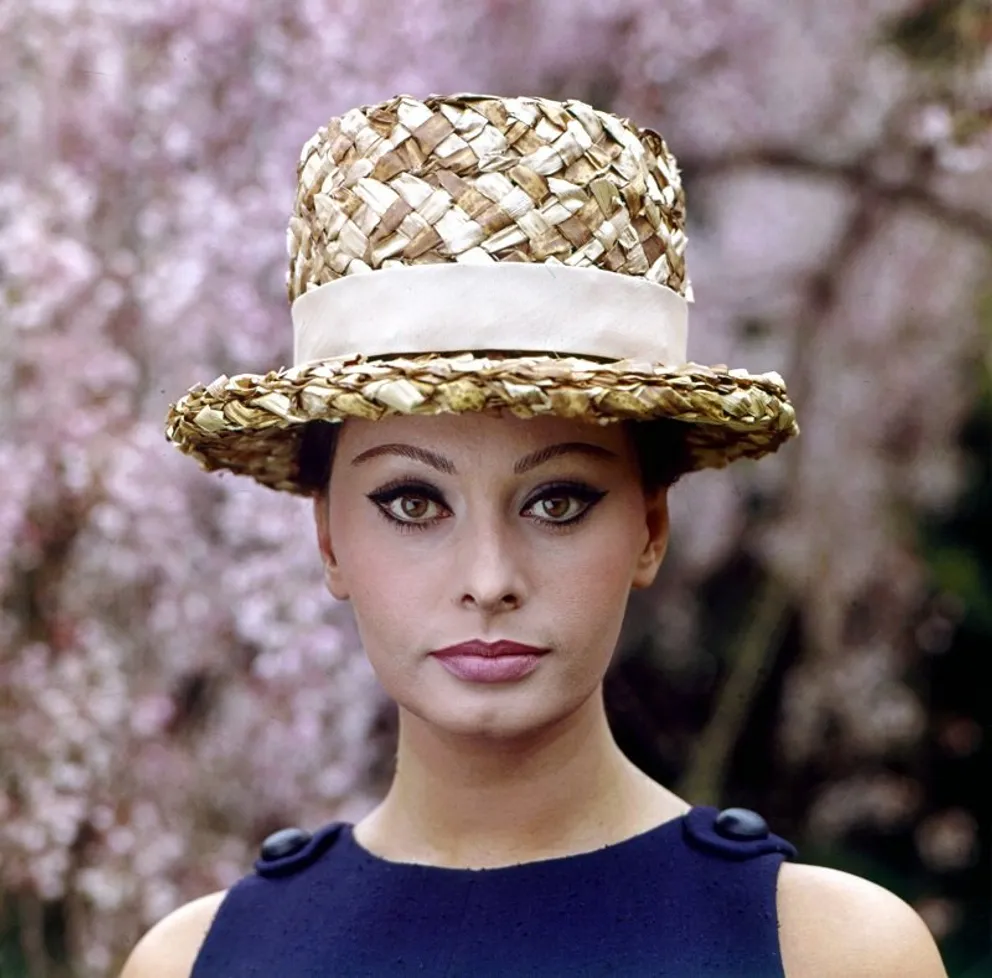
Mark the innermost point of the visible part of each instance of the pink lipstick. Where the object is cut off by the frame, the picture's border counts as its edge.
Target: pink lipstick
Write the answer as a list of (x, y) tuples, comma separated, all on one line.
[(489, 662)]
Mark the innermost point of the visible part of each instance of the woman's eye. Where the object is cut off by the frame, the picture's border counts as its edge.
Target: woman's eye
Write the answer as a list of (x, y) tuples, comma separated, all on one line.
[(558, 508), (411, 505), (564, 505), (412, 509)]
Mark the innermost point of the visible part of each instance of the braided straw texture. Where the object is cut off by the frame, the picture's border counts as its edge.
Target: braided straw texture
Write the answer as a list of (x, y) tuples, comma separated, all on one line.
[(480, 179), (253, 425)]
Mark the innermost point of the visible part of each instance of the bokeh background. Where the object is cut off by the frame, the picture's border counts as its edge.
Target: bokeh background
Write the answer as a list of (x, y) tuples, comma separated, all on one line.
[(174, 684)]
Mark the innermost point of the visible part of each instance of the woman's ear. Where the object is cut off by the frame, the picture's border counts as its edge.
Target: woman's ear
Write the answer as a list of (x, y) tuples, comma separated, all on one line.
[(656, 543), (333, 574)]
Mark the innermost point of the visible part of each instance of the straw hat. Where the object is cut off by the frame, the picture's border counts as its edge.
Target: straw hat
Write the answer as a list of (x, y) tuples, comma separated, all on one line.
[(480, 253)]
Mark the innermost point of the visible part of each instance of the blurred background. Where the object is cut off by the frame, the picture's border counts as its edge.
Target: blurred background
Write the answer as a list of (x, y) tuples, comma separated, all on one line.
[(174, 684)]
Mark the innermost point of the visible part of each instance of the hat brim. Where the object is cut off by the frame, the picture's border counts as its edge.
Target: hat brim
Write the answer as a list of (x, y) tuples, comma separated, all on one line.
[(252, 424)]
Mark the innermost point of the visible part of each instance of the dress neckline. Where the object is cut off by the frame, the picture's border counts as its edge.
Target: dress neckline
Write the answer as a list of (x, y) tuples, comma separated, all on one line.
[(589, 857)]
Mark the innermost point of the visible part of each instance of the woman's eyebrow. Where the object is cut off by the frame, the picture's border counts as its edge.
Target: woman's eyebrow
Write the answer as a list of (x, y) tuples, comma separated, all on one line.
[(430, 458), (522, 465), (543, 455)]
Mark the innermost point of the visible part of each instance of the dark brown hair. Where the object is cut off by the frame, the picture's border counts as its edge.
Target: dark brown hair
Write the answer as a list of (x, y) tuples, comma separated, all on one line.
[(660, 447)]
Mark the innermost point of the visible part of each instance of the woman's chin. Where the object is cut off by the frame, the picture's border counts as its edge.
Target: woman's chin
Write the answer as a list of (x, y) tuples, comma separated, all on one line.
[(491, 711)]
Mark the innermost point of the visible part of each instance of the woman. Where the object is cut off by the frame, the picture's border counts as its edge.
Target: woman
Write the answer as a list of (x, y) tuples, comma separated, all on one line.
[(487, 522)]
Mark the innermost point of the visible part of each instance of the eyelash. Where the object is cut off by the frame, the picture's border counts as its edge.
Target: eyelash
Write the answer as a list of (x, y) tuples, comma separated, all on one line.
[(392, 491)]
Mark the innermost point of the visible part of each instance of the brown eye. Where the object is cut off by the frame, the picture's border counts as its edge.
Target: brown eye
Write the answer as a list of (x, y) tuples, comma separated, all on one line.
[(557, 507), (410, 504), (563, 505), (412, 509)]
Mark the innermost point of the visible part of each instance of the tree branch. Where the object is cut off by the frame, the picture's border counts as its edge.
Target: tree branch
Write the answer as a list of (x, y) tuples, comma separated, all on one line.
[(857, 175), (31, 924), (703, 782)]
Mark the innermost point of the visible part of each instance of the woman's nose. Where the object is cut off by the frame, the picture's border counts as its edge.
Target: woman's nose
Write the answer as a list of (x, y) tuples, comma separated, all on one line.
[(490, 571)]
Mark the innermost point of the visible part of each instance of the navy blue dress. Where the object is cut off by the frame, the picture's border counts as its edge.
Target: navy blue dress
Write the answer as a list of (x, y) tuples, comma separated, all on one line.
[(692, 898)]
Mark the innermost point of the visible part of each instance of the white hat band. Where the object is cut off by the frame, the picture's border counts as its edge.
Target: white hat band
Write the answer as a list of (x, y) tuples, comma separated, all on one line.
[(554, 309)]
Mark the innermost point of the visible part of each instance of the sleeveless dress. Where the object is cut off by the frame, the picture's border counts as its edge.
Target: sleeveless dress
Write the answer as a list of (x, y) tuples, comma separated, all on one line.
[(692, 898)]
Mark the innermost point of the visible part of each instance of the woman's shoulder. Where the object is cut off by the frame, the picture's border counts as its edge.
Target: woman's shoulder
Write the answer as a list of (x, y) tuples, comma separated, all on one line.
[(170, 948), (836, 925)]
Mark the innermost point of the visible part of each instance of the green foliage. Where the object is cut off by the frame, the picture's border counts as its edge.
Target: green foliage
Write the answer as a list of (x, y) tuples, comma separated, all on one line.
[(942, 33), (12, 964), (959, 554)]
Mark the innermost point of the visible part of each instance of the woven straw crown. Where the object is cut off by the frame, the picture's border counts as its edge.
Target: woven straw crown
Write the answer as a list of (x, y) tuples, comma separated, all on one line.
[(484, 180), (424, 246)]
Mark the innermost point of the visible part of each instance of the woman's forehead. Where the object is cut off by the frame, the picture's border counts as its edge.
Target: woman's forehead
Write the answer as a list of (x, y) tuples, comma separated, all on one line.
[(474, 432)]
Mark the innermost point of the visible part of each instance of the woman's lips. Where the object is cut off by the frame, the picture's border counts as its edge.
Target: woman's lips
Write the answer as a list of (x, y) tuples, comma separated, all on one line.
[(490, 662)]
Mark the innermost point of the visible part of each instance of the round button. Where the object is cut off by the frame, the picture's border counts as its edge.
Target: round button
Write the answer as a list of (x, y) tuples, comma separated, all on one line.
[(741, 824), (285, 842)]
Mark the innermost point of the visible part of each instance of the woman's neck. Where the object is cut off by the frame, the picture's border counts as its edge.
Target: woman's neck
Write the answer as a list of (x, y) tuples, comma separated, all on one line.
[(464, 802)]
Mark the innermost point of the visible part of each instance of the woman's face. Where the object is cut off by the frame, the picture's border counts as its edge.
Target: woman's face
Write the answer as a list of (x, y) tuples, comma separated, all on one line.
[(443, 530)]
